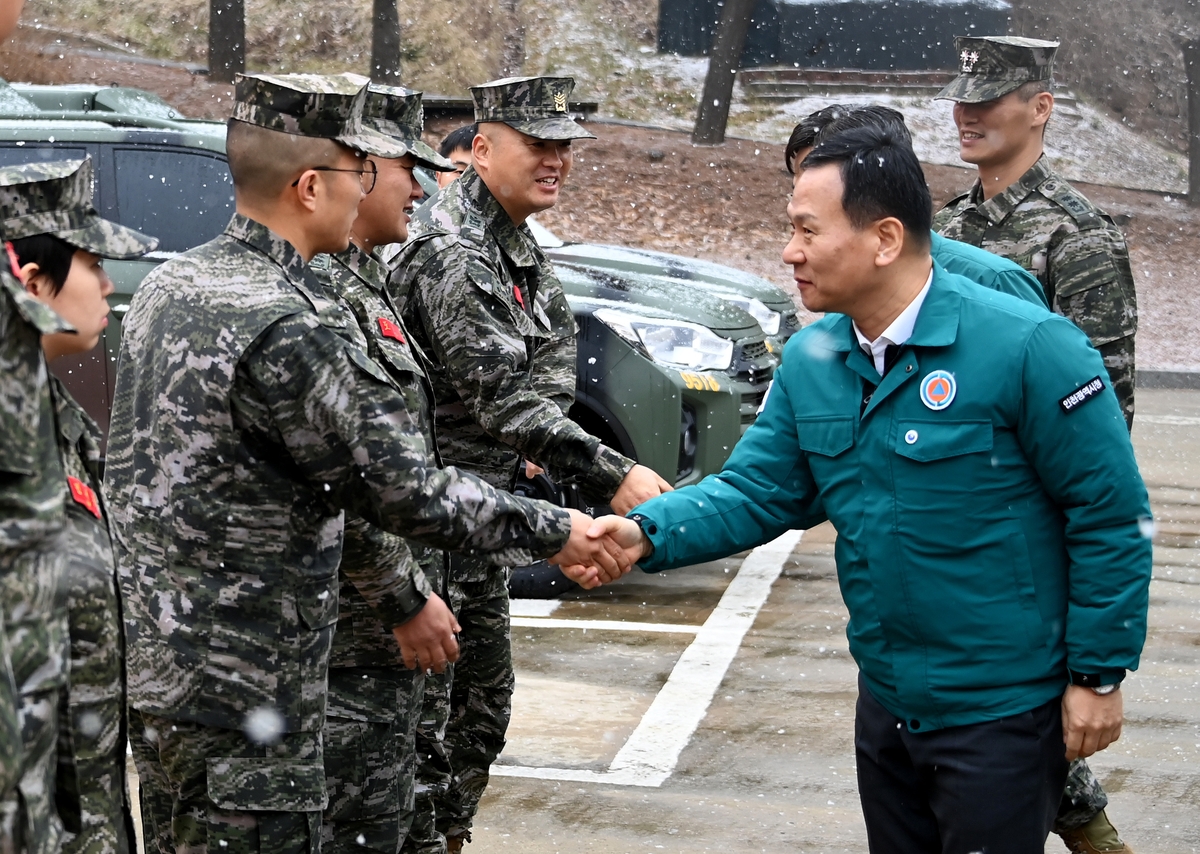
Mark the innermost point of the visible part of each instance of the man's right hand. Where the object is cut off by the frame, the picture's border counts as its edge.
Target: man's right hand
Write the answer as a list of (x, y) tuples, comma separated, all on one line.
[(427, 640), (585, 551), (625, 533)]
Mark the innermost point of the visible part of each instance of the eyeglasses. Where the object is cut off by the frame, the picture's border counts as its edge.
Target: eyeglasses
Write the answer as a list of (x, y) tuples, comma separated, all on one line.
[(366, 175)]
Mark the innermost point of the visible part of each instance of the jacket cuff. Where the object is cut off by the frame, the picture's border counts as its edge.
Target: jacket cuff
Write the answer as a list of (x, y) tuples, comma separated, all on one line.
[(401, 604), (608, 470), (1095, 679)]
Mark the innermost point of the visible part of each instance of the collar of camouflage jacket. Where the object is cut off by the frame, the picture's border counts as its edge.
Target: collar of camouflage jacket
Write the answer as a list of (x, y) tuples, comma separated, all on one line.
[(998, 207), (74, 424), (364, 265), (258, 236), (515, 241), (37, 314)]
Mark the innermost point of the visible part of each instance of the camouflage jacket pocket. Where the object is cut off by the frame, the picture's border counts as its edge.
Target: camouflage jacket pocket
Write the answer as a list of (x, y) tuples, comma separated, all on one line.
[(368, 365), (266, 785), (503, 292), (317, 603)]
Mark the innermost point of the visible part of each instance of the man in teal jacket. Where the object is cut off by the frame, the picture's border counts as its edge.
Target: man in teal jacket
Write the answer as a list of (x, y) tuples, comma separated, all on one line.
[(978, 265), (991, 518)]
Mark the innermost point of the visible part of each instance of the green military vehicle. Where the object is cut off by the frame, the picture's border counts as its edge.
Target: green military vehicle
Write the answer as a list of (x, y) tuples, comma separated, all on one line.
[(674, 355)]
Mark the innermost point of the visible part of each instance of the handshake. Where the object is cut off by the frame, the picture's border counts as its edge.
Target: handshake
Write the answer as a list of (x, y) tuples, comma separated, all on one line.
[(603, 550), (600, 550), (597, 551)]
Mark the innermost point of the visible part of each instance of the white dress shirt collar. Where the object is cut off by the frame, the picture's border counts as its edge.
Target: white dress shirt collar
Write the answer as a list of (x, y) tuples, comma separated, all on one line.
[(898, 332)]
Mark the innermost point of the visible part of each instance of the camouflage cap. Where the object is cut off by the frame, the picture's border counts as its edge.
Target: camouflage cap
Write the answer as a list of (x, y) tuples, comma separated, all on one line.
[(397, 113), (56, 198), (992, 66), (536, 106), (325, 106)]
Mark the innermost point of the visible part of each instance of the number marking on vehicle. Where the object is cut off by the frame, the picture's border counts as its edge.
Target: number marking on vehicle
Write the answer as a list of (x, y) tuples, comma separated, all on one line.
[(699, 382)]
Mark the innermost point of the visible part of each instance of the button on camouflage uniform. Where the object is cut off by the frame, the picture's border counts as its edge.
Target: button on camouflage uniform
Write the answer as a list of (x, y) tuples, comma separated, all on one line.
[(244, 425), (374, 700), (1076, 251), (483, 302), (1043, 223), (57, 200)]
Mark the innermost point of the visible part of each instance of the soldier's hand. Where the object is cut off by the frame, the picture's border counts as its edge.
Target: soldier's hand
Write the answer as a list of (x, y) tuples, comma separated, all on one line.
[(600, 552), (585, 576), (626, 534), (1090, 722), (640, 484), (427, 640)]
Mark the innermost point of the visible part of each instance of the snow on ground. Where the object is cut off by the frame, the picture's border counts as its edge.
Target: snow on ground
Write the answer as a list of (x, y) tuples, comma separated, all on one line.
[(1083, 143), (631, 81)]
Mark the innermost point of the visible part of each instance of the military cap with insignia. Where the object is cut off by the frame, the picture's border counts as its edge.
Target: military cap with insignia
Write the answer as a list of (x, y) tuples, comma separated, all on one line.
[(536, 106), (56, 198), (323, 106), (396, 112), (992, 66)]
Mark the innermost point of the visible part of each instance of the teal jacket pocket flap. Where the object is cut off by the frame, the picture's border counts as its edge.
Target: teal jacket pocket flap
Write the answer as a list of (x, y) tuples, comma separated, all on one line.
[(825, 436), (927, 441)]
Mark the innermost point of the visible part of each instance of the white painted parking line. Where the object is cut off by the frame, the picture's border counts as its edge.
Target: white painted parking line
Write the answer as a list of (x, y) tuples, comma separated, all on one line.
[(649, 757), (1169, 420), (603, 625), (533, 607)]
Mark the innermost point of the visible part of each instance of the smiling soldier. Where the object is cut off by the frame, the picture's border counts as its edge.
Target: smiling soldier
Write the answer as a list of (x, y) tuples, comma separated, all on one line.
[(1021, 209), (483, 303), (245, 424)]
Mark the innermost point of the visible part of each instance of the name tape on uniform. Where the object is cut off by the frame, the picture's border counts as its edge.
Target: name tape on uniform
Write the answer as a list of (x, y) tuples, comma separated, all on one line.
[(1082, 395)]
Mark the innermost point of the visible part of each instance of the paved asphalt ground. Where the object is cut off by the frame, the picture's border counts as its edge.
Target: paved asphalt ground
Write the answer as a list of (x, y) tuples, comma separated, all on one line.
[(616, 747)]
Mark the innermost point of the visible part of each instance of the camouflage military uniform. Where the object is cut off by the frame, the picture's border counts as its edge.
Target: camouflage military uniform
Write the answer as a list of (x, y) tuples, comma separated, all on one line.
[(32, 488), (92, 736), (56, 199), (1073, 248), (374, 701), (226, 485), (35, 199), (482, 301)]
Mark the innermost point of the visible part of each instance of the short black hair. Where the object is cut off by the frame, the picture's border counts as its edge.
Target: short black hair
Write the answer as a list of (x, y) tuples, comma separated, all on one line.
[(52, 255), (881, 178), (462, 138), (838, 117), (871, 115), (804, 135)]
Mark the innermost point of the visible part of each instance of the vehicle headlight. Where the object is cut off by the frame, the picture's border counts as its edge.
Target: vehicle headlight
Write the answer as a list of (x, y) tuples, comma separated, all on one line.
[(767, 319), (671, 342)]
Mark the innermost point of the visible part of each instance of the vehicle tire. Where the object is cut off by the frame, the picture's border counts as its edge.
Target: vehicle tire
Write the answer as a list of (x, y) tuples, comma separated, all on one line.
[(539, 580)]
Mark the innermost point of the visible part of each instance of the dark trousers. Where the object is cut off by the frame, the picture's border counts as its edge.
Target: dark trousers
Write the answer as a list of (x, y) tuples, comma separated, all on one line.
[(992, 787)]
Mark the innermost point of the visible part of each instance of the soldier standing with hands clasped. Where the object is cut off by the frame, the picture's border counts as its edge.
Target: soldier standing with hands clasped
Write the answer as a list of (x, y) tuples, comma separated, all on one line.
[(244, 427), (484, 304), (1020, 209)]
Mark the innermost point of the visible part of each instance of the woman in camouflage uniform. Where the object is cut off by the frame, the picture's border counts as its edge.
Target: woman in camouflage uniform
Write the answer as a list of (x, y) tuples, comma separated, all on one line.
[(57, 255)]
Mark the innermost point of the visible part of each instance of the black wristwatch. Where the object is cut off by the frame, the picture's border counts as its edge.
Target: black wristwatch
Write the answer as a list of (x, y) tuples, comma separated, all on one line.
[(1101, 684)]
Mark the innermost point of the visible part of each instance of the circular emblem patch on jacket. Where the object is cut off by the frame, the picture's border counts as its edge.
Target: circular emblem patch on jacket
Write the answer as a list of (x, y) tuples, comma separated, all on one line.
[(938, 389)]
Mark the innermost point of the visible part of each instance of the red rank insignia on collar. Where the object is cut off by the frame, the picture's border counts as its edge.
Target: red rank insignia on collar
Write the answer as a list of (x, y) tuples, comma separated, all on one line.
[(517, 294), (84, 495), (391, 330)]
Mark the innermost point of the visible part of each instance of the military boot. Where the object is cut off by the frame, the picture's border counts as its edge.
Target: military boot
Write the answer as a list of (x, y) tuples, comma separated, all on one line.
[(1098, 836), (455, 843)]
